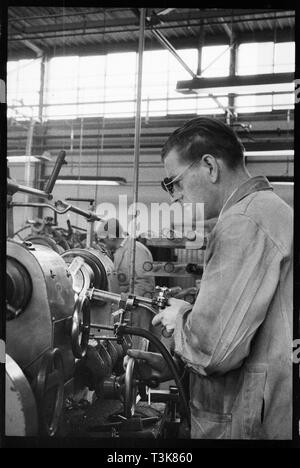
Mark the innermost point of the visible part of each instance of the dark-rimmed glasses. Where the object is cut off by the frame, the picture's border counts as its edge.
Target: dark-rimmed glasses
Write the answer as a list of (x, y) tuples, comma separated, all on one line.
[(168, 182)]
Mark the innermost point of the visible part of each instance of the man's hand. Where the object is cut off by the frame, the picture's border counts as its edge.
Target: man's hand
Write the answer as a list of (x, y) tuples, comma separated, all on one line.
[(167, 317), (150, 365)]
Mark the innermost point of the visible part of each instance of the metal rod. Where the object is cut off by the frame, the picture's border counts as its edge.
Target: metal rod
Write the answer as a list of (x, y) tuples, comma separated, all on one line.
[(99, 337), (42, 88), (27, 164), (90, 228), (36, 205), (100, 326), (60, 161), (13, 188), (100, 295), (200, 47), (86, 214), (173, 51), (137, 142)]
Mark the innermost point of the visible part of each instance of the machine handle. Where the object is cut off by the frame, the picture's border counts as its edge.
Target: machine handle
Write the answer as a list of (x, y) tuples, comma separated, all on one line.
[(80, 343), (60, 161), (13, 187)]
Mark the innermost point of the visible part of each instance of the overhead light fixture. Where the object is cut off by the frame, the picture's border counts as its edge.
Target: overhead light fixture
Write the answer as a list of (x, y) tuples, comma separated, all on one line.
[(24, 159), (70, 180), (270, 153)]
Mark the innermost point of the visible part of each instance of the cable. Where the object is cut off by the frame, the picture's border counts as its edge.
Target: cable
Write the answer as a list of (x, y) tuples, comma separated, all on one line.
[(126, 330)]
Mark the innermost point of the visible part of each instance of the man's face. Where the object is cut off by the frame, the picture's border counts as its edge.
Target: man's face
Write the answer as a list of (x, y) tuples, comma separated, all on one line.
[(194, 186)]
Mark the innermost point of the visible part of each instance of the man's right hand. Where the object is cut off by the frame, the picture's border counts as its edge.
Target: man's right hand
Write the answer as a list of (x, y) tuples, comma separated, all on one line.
[(150, 365)]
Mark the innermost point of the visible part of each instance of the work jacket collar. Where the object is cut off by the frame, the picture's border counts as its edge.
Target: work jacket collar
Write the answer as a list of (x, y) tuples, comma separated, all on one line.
[(253, 184)]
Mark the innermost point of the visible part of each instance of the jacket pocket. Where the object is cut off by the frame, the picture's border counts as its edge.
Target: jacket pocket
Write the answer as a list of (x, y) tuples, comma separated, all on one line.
[(253, 399), (208, 425)]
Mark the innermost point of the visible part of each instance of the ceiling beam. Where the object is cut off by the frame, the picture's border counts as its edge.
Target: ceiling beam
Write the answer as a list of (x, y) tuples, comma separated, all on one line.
[(37, 50), (16, 52), (206, 84), (133, 21)]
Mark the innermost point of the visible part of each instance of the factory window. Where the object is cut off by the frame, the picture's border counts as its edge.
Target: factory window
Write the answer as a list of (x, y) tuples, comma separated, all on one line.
[(23, 87), (120, 84), (209, 105), (266, 57), (91, 85), (178, 104), (284, 57), (155, 82), (105, 84), (215, 61), (265, 98), (62, 87)]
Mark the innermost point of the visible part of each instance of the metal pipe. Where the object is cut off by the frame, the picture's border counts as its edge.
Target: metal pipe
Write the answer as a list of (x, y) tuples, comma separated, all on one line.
[(36, 205), (100, 326), (60, 161), (27, 164), (86, 214), (173, 51), (91, 216), (42, 88), (13, 188), (100, 337), (137, 142), (90, 227), (200, 47), (100, 295)]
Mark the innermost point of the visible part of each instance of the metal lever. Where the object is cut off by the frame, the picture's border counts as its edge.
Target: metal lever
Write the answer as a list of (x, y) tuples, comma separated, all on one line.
[(60, 161)]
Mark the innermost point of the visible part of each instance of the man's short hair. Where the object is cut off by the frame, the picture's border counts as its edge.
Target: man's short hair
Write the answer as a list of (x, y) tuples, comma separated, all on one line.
[(205, 135)]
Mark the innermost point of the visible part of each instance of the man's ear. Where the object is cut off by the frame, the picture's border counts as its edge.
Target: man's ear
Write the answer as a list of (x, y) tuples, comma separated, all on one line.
[(211, 163)]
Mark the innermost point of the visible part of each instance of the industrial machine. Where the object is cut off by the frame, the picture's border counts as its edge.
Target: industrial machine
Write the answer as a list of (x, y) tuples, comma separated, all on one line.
[(68, 330)]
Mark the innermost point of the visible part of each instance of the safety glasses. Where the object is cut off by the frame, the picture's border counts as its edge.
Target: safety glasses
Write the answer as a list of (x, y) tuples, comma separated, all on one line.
[(168, 182)]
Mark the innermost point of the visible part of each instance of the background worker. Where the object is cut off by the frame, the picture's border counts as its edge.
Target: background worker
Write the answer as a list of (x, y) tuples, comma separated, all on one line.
[(119, 244)]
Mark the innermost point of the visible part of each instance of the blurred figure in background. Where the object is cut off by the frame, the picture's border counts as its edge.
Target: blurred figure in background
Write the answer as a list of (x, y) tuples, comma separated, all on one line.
[(119, 244)]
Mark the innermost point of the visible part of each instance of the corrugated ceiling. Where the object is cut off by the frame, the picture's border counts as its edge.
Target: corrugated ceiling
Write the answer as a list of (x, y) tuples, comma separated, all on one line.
[(53, 28)]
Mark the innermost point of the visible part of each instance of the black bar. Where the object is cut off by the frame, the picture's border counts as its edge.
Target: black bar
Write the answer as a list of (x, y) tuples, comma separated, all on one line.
[(60, 161), (238, 80)]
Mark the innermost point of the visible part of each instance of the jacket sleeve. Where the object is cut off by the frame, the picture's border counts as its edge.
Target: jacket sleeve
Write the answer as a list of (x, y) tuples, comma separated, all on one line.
[(239, 281)]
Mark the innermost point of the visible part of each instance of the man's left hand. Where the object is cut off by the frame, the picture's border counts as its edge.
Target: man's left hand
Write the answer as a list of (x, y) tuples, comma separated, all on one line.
[(167, 317)]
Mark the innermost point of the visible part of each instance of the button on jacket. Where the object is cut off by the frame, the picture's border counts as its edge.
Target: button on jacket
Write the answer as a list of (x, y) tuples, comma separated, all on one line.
[(237, 340)]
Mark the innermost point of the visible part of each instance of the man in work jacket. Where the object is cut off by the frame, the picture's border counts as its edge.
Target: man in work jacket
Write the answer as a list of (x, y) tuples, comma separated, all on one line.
[(236, 342)]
